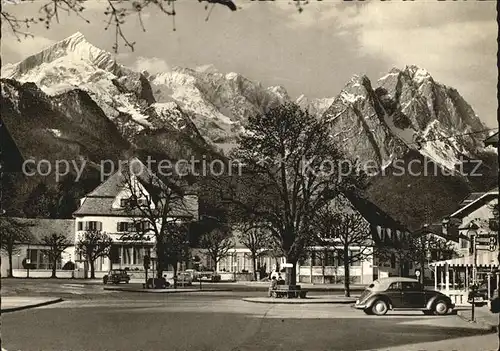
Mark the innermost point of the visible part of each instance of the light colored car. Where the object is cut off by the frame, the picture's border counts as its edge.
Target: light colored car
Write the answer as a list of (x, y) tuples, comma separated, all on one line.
[(183, 279), (400, 293)]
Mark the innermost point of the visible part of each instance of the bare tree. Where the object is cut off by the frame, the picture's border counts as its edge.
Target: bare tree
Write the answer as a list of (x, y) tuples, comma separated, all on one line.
[(418, 250), (155, 208), (14, 233), (291, 168), (255, 239), (340, 226), (57, 243), (116, 12), (217, 243), (92, 245), (175, 247)]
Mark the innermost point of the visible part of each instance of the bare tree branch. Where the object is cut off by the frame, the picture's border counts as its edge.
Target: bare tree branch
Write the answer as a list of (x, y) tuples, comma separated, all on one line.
[(57, 243)]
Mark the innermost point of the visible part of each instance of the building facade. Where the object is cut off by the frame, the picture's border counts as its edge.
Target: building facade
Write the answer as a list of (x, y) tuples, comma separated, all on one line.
[(30, 258), (323, 264), (107, 209)]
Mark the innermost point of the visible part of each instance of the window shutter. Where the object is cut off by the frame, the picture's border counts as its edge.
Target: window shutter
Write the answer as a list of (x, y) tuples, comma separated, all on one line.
[(118, 227), (86, 225), (80, 226)]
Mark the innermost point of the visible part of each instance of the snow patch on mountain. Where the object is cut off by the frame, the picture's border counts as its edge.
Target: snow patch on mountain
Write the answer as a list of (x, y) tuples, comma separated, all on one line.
[(187, 94), (316, 106), (56, 132), (440, 146), (350, 98), (419, 75)]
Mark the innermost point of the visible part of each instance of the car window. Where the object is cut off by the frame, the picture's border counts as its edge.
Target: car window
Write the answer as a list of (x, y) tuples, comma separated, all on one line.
[(411, 286), (395, 286)]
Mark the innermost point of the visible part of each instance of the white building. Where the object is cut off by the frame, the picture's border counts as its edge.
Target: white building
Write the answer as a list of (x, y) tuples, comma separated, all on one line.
[(30, 259), (322, 264), (456, 275), (105, 209)]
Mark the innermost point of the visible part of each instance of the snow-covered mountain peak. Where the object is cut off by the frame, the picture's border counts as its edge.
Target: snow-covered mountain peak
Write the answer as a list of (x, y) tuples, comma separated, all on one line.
[(417, 74), (74, 48), (210, 68), (232, 76)]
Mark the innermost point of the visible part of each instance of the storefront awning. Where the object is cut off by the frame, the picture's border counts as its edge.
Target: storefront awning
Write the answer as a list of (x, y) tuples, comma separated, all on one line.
[(484, 259)]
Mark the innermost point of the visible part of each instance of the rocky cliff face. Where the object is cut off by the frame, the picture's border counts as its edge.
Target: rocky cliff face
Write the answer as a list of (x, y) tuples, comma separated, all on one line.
[(77, 101)]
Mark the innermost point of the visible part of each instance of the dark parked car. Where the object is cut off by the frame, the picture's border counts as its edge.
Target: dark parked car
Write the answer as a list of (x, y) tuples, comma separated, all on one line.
[(398, 293), (480, 296), (116, 276)]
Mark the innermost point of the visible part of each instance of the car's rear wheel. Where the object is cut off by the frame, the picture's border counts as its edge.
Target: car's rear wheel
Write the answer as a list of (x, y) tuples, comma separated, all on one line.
[(380, 308), (440, 308)]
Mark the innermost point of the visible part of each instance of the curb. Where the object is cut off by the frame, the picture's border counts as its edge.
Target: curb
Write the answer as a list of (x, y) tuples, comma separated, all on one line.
[(25, 307), (163, 291), (484, 326), (307, 301)]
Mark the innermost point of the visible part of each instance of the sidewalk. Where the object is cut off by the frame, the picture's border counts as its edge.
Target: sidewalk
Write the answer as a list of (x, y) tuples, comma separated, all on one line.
[(309, 300), (482, 315), (15, 303)]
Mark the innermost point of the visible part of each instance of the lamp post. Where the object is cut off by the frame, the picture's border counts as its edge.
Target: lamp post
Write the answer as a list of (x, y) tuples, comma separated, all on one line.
[(198, 263), (472, 234)]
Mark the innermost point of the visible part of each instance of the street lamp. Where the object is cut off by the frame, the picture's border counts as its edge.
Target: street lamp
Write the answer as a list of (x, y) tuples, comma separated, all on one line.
[(197, 262), (472, 235)]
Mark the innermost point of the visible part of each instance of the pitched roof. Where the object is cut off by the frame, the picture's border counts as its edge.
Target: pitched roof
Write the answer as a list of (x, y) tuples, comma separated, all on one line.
[(471, 198), (40, 227), (480, 201), (491, 140), (99, 202), (11, 159), (372, 213)]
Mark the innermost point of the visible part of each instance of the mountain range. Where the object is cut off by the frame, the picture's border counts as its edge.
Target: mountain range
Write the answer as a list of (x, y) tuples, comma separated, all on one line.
[(74, 101)]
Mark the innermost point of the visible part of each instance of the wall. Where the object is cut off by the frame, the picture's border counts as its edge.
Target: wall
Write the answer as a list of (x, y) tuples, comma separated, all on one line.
[(109, 226), (17, 259), (41, 273)]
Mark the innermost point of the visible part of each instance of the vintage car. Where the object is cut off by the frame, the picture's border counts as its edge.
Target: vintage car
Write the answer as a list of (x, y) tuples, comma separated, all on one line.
[(399, 293), (116, 276)]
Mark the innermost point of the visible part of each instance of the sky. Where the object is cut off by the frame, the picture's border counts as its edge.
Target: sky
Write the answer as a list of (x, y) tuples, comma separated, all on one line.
[(313, 53)]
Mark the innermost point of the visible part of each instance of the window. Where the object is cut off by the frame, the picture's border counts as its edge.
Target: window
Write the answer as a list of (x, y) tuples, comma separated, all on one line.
[(40, 259), (464, 243), (142, 226), (330, 258), (123, 226), (395, 286), (142, 202), (411, 286), (133, 201), (89, 225), (114, 254), (355, 262)]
